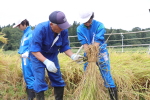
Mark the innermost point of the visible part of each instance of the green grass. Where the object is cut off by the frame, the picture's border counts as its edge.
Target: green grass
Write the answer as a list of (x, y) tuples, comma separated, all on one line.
[(133, 49)]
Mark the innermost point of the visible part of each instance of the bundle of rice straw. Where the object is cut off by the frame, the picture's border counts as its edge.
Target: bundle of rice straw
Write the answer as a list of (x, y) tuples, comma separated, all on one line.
[(88, 88)]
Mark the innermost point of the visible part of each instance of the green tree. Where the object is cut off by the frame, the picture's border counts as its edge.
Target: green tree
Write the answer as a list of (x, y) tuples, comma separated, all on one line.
[(73, 32), (13, 35)]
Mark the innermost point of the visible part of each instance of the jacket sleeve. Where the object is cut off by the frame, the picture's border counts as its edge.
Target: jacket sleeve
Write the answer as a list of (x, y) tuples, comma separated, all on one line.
[(36, 42), (30, 38), (99, 35), (65, 42), (81, 37)]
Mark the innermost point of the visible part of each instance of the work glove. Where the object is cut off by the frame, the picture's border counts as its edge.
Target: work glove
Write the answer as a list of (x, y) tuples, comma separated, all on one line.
[(50, 66), (25, 55), (75, 57)]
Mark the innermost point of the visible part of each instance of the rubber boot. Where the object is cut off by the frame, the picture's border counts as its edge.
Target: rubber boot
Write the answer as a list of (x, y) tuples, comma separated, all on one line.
[(58, 92), (30, 93), (40, 96), (113, 93)]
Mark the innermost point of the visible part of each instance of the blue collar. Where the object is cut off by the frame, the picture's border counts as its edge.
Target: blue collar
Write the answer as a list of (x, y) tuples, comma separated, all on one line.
[(27, 28)]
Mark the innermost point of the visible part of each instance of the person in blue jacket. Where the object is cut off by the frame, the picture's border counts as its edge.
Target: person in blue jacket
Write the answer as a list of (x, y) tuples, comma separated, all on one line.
[(49, 39), (91, 32), (23, 24)]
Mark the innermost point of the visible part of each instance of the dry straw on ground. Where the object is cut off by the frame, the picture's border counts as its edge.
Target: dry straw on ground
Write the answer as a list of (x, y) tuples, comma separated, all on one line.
[(131, 72)]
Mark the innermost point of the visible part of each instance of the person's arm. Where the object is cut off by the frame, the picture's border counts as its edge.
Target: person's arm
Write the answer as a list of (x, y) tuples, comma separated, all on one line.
[(49, 64), (72, 55), (39, 56), (69, 52), (36, 47), (85, 47), (96, 44), (99, 35)]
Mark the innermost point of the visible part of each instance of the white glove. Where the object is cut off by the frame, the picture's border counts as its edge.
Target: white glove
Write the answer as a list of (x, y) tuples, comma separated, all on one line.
[(25, 55), (50, 66), (75, 57)]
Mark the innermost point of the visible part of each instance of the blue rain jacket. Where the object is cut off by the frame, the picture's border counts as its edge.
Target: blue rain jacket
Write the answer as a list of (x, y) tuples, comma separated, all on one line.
[(42, 40), (26, 62), (96, 34), (25, 41)]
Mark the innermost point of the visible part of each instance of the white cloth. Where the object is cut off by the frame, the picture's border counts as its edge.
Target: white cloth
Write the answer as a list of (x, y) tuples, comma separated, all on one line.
[(24, 61), (55, 40), (25, 55)]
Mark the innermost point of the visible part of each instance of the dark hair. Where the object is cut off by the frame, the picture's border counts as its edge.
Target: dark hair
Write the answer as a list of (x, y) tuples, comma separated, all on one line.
[(25, 22), (92, 16)]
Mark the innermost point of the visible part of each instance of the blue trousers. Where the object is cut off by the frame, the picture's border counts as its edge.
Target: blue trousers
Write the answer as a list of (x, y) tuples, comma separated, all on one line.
[(104, 67), (27, 72), (39, 73)]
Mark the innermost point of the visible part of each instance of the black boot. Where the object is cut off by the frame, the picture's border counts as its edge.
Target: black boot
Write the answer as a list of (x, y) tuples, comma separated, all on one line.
[(58, 91), (30, 93), (113, 93), (40, 96)]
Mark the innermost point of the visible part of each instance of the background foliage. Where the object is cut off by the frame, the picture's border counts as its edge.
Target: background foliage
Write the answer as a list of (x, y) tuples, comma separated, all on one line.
[(14, 36)]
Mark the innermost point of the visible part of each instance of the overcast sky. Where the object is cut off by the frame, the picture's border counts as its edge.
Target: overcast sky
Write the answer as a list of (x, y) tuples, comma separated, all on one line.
[(119, 14)]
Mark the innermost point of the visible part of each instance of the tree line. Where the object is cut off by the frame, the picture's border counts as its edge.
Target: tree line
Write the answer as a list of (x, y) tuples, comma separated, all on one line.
[(14, 35)]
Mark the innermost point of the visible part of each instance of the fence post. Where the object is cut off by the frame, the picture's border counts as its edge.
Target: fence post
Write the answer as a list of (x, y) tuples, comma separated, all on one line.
[(69, 40), (148, 50), (122, 41)]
